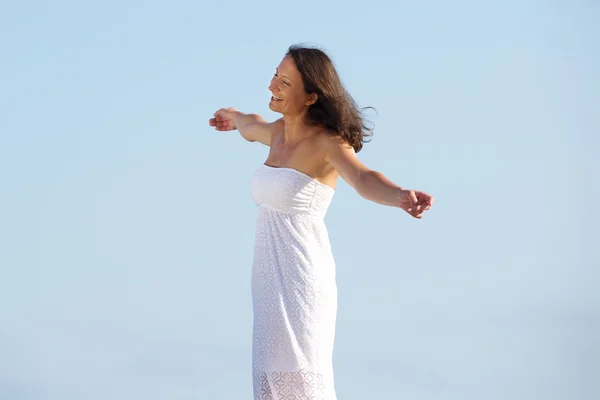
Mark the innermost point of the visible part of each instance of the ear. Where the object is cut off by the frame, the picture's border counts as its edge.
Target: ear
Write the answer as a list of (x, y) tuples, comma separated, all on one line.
[(311, 99)]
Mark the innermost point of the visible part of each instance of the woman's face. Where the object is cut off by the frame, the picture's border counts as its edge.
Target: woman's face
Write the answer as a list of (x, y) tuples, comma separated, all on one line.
[(287, 88)]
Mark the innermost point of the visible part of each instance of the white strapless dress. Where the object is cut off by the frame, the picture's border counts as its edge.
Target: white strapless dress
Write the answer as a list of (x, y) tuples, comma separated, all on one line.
[(294, 290)]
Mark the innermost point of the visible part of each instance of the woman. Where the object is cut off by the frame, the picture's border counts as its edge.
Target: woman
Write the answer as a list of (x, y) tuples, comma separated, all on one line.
[(294, 290)]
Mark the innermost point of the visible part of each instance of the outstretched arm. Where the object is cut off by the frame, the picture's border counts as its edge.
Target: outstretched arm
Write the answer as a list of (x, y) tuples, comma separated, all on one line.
[(252, 127), (373, 185)]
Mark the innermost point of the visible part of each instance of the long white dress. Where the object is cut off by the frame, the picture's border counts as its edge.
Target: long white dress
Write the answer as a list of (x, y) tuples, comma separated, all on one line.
[(294, 290)]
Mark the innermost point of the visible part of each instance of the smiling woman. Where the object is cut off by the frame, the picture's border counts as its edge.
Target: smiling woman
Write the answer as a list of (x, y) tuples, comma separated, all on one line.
[(311, 72), (294, 288)]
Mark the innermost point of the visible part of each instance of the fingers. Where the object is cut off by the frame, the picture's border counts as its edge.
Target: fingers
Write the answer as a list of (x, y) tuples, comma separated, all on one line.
[(424, 198), (419, 203), (220, 112), (221, 120), (430, 200), (223, 124), (225, 113), (220, 124), (417, 211), (411, 199)]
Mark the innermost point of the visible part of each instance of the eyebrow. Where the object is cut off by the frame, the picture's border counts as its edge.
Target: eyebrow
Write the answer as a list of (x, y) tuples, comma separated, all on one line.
[(277, 70)]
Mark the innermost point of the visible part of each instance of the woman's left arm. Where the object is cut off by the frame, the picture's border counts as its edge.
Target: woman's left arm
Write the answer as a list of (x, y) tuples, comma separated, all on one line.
[(373, 185)]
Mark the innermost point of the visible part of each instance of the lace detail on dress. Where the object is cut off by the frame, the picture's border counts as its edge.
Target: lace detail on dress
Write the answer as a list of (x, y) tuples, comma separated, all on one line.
[(301, 385)]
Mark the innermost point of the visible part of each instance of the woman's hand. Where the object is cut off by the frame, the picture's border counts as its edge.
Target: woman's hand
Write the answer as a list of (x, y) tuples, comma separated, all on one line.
[(415, 203), (224, 119)]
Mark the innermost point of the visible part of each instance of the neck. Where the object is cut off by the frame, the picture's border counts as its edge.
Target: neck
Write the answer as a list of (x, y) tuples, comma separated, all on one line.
[(295, 127)]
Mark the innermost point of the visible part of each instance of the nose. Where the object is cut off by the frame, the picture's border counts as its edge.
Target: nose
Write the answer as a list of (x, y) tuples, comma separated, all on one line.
[(273, 86)]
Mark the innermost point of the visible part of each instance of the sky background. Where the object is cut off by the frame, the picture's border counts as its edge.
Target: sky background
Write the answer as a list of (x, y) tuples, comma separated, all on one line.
[(126, 223)]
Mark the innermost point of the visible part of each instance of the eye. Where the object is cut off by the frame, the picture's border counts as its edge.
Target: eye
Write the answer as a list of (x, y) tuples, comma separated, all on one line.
[(284, 82)]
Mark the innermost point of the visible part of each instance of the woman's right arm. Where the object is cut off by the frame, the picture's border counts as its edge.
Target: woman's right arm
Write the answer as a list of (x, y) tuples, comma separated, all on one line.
[(252, 127)]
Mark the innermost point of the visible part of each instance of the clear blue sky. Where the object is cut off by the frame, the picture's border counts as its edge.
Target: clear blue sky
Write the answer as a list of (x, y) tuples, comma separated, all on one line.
[(126, 223)]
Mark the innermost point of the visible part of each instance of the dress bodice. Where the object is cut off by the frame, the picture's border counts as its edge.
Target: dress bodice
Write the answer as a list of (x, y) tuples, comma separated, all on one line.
[(290, 191)]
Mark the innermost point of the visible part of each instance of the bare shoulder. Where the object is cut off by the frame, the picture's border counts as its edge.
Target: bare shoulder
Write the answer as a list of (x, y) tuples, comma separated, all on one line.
[(264, 132), (342, 158), (275, 128), (278, 124), (332, 142)]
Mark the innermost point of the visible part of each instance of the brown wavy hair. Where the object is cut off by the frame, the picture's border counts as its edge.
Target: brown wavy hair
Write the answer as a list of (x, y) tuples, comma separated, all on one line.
[(334, 109)]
